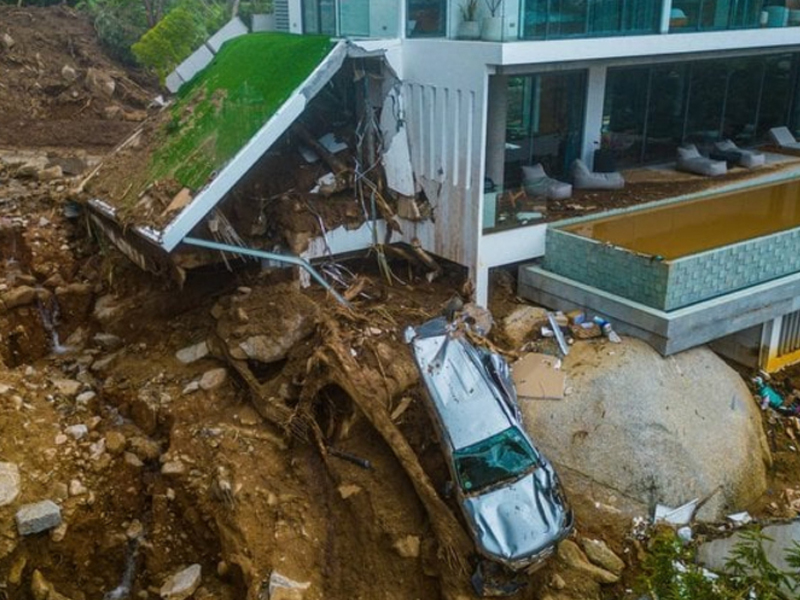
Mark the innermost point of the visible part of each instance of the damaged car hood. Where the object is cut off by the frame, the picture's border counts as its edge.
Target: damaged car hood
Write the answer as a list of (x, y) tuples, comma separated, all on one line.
[(518, 521)]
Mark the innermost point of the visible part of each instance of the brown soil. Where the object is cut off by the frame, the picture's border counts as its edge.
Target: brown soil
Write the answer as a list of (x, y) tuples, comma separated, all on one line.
[(43, 103), (235, 477)]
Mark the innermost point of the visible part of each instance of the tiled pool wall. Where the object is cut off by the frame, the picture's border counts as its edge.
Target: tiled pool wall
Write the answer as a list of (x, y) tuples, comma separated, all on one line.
[(668, 285)]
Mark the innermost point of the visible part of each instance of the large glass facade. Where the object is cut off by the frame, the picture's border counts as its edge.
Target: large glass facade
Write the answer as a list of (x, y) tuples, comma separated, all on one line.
[(554, 19), (650, 111), (545, 122)]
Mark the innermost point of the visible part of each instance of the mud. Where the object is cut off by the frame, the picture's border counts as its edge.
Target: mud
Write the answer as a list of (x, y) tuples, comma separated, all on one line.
[(240, 473)]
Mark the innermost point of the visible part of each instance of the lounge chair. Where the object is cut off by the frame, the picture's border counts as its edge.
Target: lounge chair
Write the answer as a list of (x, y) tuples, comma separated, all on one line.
[(691, 161), (584, 179), (731, 153), (537, 183), (783, 138)]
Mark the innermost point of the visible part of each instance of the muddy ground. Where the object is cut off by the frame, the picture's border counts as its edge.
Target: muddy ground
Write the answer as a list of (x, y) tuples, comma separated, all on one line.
[(158, 464)]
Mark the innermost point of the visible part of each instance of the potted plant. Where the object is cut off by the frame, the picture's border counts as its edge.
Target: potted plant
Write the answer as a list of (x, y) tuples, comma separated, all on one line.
[(492, 29), (469, 28)]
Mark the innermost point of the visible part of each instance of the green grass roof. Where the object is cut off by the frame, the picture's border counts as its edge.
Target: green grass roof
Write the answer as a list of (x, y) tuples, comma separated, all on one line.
[(220, 109)]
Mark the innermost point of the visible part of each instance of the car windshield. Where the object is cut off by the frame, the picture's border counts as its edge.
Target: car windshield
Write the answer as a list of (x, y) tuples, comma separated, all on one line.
[(505, 455)]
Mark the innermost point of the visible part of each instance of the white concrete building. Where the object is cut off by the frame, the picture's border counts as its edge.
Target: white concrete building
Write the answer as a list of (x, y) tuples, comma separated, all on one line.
[(555, 80)]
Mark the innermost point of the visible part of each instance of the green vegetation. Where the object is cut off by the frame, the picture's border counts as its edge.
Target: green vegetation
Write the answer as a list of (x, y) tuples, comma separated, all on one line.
[(226, 104), (176, 36), (670, 572)]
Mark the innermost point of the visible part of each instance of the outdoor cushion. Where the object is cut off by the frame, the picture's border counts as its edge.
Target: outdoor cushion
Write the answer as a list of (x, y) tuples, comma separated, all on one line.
[(583, 178), (537, 183), (782, 137), (747, 158), (691, 161)]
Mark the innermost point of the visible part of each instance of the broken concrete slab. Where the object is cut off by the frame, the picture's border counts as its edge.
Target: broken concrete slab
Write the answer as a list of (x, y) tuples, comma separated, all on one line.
[(571, 554), (716, 553), (38, 517), (538, 377)]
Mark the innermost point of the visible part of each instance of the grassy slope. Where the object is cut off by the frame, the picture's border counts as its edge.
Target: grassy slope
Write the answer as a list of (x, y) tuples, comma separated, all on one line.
[(228, 102)]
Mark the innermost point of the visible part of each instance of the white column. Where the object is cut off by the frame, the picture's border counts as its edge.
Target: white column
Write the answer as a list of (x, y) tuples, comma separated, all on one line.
[(770, 338), (496, 128), (665, 11), (480, 275), (295, 16), (593, 123)]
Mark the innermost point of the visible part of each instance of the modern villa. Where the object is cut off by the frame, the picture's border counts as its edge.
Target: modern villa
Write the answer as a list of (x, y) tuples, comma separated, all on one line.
[(480, 91)]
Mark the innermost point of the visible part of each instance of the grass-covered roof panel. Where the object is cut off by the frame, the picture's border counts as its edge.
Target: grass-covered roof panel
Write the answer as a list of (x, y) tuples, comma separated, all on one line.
[(220, 109)]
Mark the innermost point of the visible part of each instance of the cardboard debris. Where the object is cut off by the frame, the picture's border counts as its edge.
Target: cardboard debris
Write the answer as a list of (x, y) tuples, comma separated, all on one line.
[(538, 377)]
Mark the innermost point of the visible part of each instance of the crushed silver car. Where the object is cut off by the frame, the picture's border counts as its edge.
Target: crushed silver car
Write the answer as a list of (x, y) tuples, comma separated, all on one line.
[(509, 494)]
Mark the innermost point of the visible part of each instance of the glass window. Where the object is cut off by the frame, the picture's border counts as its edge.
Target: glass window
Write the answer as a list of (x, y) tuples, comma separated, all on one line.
[(741, 102), (319, 16), (706, 97), (544, 123), (624, 112), (504, 456), (427, 18), (704, 15), (666, 111), (551, 19), (779, 77)]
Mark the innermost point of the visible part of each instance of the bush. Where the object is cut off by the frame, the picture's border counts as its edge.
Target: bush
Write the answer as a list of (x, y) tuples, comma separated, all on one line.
[(118, 23), (670, 572), (177, 35)]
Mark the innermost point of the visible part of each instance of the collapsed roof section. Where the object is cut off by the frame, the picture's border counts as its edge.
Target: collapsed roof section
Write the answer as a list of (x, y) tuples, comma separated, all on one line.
[(222, 122)]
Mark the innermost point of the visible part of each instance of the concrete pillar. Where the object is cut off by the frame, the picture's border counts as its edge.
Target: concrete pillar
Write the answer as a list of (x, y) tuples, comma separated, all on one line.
[(770, 337), (593, 123), (480, 275), (666, 8), (496, 118)]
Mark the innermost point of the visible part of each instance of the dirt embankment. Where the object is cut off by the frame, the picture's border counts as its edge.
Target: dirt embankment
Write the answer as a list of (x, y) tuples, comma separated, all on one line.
[(57, 87)]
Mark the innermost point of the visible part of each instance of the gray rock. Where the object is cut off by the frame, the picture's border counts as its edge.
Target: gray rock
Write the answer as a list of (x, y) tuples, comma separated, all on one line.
[(192, 353), (213, 379), (68, 387), (182, 584), (107, 341), (77, 432), (600, 554), (655, 429), (173, 467), (37, 517), (100, 83), (569, 552), (9, 483), (85, 397), (283, 588), (68, 73), (7, 41)]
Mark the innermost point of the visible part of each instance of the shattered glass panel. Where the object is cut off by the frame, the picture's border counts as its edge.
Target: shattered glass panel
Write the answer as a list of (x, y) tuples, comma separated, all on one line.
[(503, 456)]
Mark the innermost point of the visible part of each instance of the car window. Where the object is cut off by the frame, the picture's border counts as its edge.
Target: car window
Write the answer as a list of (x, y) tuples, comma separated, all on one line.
[(505, 455)]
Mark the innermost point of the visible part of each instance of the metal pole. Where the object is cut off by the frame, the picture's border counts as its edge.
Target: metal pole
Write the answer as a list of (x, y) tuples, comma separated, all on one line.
[(284, 258)]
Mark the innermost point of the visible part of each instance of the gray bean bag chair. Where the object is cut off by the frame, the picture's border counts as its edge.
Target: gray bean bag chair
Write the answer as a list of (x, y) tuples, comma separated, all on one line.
[(783, 138), (584, 179), (691, 161), (746, 158), (537, 183)]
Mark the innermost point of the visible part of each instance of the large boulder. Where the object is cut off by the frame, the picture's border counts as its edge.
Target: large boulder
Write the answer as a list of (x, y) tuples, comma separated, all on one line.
[(656, 429)]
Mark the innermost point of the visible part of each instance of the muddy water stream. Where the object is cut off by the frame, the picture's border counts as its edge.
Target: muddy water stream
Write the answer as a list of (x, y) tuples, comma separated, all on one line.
[(695, 226)]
